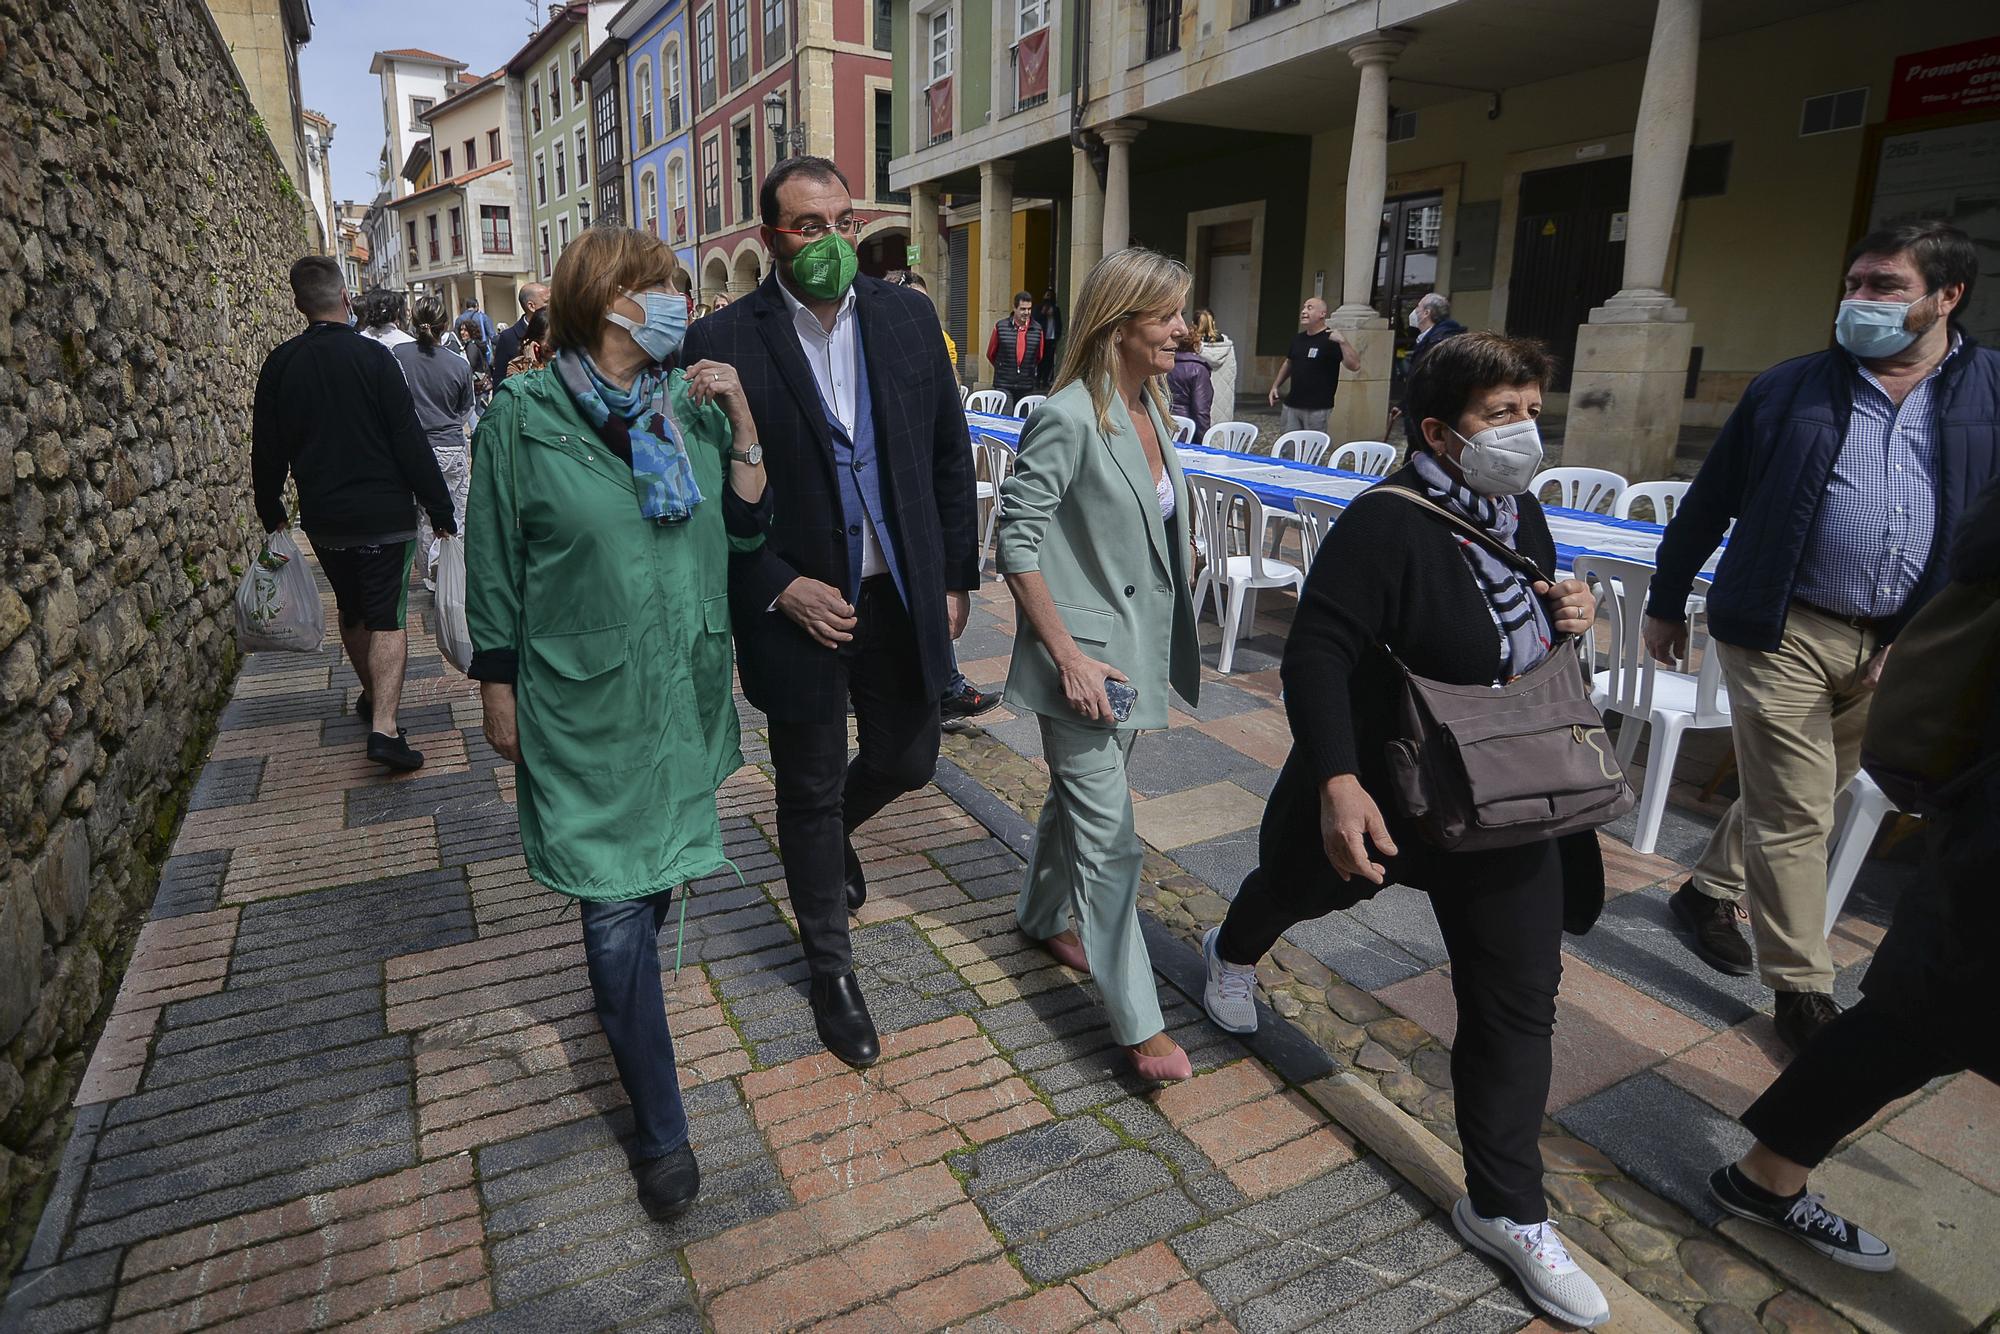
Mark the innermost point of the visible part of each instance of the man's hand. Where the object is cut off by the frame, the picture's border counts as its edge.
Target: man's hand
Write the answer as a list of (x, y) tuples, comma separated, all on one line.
[(1083, 681), (1667, 641), (957, 610), (1871, 674), (1272, 397), (440, 534), (497, 700), (1349, 820), (820, 611)]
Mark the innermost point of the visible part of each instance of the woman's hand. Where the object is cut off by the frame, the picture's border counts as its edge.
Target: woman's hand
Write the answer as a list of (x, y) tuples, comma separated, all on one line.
[(1572, 606), (1083, 681), (713, 382), (1349, 820), (497, 700)]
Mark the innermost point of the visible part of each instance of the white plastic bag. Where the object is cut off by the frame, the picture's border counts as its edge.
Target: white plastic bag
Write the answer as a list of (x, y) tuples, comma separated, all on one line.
[(277, 604), (454, 639)]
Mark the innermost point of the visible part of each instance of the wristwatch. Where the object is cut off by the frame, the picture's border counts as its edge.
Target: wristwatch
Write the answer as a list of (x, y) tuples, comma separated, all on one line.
[(752, 456)]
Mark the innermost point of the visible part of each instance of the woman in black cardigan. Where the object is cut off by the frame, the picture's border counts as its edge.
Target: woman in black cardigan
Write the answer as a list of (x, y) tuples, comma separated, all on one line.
[(1388, 574)]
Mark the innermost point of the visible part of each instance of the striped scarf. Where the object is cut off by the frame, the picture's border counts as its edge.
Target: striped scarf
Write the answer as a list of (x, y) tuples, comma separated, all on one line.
[(1517, 613)]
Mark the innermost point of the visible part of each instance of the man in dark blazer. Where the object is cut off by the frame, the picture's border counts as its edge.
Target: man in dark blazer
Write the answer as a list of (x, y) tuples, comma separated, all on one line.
[(1431, 318), (507, 345), (864, 578)]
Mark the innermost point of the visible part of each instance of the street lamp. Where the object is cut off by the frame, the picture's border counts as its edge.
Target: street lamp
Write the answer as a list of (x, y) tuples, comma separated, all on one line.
[(774, 119)]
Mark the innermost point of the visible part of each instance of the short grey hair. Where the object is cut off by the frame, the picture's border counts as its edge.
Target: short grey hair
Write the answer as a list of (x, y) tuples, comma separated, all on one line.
[(1437, 303)]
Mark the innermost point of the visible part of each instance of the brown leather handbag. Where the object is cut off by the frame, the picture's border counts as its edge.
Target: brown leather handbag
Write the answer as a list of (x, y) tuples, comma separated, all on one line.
[(1480, 766)]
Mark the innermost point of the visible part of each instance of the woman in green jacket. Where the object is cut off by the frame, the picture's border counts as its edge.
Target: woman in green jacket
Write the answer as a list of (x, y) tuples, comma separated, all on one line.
[(1094, 542), (597, 558)]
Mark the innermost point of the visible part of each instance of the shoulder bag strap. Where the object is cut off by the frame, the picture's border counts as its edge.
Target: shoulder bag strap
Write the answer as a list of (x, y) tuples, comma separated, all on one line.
[(1476, 533)]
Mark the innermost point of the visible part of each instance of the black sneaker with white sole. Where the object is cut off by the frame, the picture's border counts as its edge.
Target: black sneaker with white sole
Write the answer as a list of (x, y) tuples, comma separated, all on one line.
[(1804, 1217)]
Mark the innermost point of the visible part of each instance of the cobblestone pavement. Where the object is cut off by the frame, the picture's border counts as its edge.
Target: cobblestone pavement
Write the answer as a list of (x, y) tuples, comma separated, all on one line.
[(1656, 1054), (353, 1077)]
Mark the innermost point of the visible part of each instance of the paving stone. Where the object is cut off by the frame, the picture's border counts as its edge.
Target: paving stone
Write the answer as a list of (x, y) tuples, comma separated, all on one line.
[(1402, 1254), (1411, 1306), (1360, 955), (1725, 1276), (190, 883), (1023, 1157), (1640, 942), (1625, 1121), (1092, 1243), (1221, 862), (74, 1295), (1081, 1190), (1403, 916), (1716, 1318), (1312, 1296), (227, 783), (1182, 758)]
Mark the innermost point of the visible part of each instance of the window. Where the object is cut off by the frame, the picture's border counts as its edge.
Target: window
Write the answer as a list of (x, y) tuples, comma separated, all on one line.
[(548, 265), (704, 54), (421, 107), (471, 154), (649, 203), (457, 233), (940, 45), (410, 229), (562, 169), (884, 132), (605, 119), (496, 229), (739, 42), (493, 145), (643, 99), (1163, 27), (541, 181), (582, 158), (1833, 111), (677, 197), (610, 197), (711, 187), (575, 62), (1259, 8), (562, 234), (745, 171), (535, 106), (774, 30), (431, 231), (1030, 15), (673, 80), (444, 165), (1402, 126), (555, 91), (885, 24)]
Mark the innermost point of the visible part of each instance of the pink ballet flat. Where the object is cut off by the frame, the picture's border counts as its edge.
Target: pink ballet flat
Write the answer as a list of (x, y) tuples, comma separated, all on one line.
[(1067, 953), (1161, 1069)]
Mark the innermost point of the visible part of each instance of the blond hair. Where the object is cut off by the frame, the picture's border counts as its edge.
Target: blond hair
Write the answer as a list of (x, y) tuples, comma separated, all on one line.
[(1204, 326), (1126, 285)]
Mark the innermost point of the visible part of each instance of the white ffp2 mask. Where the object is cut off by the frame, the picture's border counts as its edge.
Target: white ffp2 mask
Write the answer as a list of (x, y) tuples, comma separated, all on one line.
[(1502, 460)]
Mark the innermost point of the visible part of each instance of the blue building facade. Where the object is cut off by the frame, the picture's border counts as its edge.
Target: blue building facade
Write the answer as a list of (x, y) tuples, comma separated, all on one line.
[(659, 123)]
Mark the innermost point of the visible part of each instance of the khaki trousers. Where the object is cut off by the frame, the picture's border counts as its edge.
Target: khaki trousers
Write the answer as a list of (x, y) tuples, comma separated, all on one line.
[(1797, 716)]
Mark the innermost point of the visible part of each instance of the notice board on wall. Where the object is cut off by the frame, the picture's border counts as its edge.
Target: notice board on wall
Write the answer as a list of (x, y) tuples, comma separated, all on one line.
[(1948, 172), (1473, 243)]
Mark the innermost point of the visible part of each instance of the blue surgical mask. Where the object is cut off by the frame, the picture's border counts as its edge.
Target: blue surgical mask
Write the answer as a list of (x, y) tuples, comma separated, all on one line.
[(1872, 329), (659, 337)]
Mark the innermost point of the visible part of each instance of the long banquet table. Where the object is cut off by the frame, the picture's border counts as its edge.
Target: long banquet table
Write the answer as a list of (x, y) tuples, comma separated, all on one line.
[(1280, 482)]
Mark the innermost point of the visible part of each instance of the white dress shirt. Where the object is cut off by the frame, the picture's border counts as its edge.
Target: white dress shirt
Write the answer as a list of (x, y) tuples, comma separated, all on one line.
[(832, 358)]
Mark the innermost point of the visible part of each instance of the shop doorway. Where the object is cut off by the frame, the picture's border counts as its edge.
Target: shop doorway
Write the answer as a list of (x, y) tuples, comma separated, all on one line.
[(1222, 284), (1569, 252), (1406, 267)]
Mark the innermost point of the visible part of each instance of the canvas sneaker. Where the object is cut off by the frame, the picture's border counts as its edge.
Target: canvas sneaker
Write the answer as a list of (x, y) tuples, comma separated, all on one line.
[(1230, 997), (1806, 1218), (1540, 1260)]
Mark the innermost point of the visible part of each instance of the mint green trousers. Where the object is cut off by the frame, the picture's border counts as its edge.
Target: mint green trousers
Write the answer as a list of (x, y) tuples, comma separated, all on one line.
[(1084, 871)]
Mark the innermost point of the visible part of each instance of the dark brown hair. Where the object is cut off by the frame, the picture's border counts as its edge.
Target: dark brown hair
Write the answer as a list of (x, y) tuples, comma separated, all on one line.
[(595, 269), (1456, 369), (1942, 253), (317, 285)]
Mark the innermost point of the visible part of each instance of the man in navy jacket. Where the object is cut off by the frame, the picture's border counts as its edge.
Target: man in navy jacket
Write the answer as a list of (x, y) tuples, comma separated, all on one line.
[(1845, 472)]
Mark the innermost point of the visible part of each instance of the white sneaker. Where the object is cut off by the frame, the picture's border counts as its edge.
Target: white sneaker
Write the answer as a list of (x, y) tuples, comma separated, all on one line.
[(1230, 996), (1538, 1258)]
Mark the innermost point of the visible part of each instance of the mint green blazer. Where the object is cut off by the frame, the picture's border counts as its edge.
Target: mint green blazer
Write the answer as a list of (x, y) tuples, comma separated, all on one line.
[(1081, 508)]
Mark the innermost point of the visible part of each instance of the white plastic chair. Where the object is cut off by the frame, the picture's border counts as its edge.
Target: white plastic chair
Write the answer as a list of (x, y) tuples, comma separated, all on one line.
[(991, 401), (1370, 458), (963, 390), (1858, 813), (1028, 403), (1243, 572), (999, 458), (1663, 498), (1183, 430), (1303, 446), (1580, 488), (1238, 437), (1316, 520), (1641, 690)]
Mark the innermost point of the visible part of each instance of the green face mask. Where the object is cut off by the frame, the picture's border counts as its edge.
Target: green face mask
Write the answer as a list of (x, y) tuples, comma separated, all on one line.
[(825, 269)]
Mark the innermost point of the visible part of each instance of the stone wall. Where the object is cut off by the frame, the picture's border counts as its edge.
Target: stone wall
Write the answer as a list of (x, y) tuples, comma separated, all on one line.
[(146, 228)]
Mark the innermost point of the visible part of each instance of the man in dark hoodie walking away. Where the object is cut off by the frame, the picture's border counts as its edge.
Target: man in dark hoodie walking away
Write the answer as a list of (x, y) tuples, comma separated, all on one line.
[(333, 410)]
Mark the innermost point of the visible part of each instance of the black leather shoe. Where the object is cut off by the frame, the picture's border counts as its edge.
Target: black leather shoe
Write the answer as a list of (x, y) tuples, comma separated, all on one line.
[(1800, 1014), (1716, 924), (840, 1015), (970, 703), (857, 883), (668, 1185), (394, 751)]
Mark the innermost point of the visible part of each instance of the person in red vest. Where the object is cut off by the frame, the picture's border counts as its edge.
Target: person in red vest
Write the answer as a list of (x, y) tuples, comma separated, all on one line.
[(1015, 350)]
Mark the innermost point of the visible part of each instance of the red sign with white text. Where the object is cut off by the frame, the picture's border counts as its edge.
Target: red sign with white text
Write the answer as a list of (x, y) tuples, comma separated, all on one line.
[(1949, 79)]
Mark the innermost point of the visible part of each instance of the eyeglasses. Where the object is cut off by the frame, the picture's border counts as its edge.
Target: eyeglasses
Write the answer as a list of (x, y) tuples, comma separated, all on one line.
[(849, 227)]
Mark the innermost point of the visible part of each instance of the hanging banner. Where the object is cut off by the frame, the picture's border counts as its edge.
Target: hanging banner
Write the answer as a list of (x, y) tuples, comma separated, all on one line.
[(1031, 66), (940, 100), (1965, 77)]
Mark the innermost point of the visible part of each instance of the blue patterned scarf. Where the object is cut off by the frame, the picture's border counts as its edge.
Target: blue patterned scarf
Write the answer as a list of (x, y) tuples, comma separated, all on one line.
[(661, 470), (1517, 612)]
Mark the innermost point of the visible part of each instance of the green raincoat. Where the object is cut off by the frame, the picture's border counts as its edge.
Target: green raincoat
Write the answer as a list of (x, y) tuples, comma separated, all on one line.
[(620, 627)]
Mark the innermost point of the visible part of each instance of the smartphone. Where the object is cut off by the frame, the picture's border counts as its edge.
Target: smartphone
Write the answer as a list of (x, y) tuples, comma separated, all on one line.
[(1123, 696)]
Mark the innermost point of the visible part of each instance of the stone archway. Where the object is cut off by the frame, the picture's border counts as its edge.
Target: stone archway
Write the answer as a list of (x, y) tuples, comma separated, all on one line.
[(746, 270), (714, 277), (884, 252)]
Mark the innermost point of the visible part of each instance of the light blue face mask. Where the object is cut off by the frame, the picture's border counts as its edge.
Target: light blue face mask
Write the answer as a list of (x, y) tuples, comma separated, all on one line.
[(1872, 329), (659, 337)]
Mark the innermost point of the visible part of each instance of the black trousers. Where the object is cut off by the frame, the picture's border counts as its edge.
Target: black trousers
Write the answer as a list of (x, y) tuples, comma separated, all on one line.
[(823, 796), (1501, 914)]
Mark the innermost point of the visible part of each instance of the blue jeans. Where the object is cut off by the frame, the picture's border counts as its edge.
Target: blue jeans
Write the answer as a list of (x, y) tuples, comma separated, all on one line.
[(621, 947)]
